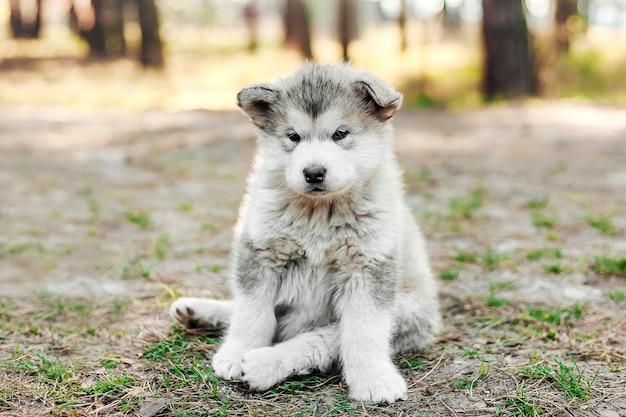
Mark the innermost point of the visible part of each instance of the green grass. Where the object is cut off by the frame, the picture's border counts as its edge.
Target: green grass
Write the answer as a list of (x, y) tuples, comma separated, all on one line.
[(493, 300), (616, 295), (570, 379), (299, 384), (465, 208), (140, 218), (186, 206), (92, 203), (605, 265), (48, 371), (485, 368), (419, 181), (604, 224), (554, 268), (343, 406), (56, 307), (20, 248), (466, 257), (560, 315), (537, 254), (410, 363), (113, 385), (59, 385), (184, 362), (173, 347), (423, 176), (490, 260), (464, 384), (537, 203), (176, 346), (109, 363), (161, 246), (519, 405), (450, 274), (209, 227), (138, 268), (542, 221)]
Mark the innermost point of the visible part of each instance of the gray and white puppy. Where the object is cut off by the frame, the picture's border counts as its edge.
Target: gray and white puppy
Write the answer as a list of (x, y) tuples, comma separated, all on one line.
[(329, 266)]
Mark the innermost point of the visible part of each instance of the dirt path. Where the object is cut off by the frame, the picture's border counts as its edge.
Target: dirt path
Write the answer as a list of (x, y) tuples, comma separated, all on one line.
[(524, 208)]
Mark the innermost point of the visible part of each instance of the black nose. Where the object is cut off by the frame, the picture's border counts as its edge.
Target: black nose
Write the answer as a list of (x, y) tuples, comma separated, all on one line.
[(314, 174)]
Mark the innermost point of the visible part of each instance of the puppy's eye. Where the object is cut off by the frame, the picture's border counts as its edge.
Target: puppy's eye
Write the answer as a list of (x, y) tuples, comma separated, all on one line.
[(340, 134), (293, 136)]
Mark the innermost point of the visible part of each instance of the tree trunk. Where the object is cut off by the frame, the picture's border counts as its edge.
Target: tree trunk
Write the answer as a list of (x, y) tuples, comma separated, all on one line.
[(565, 10), (509, 68), (346, 21), (15, 21), (251, 16), (114, 28), (95, 35), (402, 26), (297, 32), (34, 30), (21, 27), (151, 46)]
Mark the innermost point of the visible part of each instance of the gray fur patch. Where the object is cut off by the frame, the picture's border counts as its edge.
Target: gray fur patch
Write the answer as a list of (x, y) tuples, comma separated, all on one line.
[(416, 323), (350, 265), (314, 90), (256, 265)]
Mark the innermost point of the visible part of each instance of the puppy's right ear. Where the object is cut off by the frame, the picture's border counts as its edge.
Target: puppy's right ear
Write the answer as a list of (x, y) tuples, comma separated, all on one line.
[(258, 102)]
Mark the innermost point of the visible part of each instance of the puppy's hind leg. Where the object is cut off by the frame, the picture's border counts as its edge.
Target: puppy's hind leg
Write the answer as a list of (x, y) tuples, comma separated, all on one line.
[(315, 350), (202, 313), (416, 322)]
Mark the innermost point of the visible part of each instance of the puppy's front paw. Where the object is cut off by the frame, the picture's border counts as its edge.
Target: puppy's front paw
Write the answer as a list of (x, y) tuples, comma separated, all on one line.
[(376, 384), (227, 363), (185, 311), (201, 313), (264, 367)]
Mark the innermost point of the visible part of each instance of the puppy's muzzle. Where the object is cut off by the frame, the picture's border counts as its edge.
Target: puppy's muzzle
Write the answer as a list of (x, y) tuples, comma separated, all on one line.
[(314, 174)]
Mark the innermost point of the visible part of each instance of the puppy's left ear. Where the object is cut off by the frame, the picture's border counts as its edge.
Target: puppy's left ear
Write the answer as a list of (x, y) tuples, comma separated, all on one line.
[(381, 98), (258, 102)]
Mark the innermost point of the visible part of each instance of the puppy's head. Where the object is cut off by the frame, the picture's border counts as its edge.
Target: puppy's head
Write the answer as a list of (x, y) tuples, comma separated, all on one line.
[(325, 129)]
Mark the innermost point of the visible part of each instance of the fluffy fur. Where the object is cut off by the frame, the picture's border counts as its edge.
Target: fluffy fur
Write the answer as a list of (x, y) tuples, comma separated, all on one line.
[(330, 269)]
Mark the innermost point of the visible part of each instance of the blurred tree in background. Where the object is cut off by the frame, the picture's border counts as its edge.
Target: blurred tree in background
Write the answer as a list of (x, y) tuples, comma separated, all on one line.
[(564, 22), (297, 27), (346, 21), (402, 21), (509, 66), (251, 16), (472, 49), (25, 25), (151, 46), (100, 23)]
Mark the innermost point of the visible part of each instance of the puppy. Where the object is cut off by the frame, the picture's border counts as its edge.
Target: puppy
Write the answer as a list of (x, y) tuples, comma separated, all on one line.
[(330, 269)]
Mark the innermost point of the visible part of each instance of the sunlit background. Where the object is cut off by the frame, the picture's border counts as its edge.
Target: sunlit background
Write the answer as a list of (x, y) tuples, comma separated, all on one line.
[(207, 56)]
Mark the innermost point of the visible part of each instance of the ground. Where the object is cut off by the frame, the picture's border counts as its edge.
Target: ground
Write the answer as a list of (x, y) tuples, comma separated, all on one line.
[(107, 216)]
